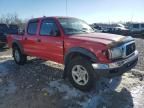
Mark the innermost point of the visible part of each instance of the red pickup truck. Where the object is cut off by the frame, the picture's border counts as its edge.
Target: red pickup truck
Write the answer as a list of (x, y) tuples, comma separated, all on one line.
[(87, 55)]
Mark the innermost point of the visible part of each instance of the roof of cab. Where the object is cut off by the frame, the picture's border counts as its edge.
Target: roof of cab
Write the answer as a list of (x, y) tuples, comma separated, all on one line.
[(50, 17)]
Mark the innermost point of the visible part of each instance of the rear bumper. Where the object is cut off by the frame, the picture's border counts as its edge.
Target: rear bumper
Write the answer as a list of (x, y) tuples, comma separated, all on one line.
[(116, 68)]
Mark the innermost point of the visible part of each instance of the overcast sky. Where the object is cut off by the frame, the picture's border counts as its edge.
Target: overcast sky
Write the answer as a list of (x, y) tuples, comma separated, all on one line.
[(88, 10)]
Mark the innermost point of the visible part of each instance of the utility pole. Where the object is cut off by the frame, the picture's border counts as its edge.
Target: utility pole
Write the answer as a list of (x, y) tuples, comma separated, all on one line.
[(132, 18), (66, 7)]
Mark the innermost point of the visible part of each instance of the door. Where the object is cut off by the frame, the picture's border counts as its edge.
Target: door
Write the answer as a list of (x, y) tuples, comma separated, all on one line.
[(30, 39), (51, 43)]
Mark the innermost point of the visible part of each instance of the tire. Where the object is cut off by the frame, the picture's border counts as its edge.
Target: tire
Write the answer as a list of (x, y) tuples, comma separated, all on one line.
[(87, 73), (19, 58)]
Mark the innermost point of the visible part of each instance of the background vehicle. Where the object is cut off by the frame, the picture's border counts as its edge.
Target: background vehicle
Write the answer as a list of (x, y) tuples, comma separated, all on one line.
[(13, 29), (86, 55), (3, 33)]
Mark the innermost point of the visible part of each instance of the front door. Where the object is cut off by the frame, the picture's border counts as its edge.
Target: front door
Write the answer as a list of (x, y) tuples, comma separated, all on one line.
[(50, 41)]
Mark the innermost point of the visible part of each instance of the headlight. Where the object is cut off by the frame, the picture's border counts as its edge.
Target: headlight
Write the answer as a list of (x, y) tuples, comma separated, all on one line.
[(115, 53)]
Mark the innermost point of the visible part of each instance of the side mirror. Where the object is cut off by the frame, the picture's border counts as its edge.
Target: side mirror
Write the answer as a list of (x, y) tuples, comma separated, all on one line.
[(21, 32), (55, 33)]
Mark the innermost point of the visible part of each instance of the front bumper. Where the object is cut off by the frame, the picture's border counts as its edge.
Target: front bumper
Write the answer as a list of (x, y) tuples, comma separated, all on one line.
[(116, 68)]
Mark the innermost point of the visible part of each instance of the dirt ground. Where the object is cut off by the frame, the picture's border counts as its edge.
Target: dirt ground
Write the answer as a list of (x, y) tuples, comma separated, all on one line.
[(39, 84)]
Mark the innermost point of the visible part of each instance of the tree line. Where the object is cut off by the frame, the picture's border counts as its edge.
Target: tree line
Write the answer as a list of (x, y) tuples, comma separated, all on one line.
[(12, 19)]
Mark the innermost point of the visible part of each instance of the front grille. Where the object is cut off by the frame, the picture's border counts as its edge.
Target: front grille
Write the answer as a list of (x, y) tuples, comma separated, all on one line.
[(130, 48)]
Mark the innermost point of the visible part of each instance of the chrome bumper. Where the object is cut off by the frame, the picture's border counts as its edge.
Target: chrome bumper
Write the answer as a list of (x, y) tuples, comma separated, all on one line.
[(118, 67)]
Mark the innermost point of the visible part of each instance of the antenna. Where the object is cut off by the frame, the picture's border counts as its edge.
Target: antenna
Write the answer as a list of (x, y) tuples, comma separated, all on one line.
[(131, 18), (66, 7)]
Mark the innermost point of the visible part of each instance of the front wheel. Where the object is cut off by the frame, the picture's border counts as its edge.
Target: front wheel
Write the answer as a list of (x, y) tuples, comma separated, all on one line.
[(18, 56), (81, 74)]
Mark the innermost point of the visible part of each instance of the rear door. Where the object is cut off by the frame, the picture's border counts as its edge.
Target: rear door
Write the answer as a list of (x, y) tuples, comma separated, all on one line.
[(30, 38), (51, 41)]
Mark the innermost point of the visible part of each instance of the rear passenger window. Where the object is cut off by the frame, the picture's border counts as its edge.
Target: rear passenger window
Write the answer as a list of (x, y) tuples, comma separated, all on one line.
[(32, 28), (48, 27)]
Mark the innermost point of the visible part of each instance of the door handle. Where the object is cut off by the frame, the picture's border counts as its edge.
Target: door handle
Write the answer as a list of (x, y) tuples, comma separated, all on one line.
[(38, 40), (58, 42)]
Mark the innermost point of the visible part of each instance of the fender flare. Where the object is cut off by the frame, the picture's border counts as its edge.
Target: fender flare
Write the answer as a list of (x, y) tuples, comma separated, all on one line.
[(81, 51), (18, 44)]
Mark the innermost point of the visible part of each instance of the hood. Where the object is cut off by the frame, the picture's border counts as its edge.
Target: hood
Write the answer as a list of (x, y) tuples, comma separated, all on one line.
[(104, 38)]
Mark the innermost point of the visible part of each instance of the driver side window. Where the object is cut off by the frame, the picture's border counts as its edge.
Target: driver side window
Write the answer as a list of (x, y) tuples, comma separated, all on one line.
[(48, 28)]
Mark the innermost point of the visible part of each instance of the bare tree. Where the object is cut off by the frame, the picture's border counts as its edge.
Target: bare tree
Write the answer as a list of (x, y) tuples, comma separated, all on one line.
[(12, 19)]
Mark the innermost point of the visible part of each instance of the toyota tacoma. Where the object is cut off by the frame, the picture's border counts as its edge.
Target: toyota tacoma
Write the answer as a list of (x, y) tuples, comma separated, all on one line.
[(86, 55)]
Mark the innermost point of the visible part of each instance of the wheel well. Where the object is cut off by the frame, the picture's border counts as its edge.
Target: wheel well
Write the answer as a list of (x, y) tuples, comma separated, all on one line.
[(72, 56), (76, 54), (14, 45)]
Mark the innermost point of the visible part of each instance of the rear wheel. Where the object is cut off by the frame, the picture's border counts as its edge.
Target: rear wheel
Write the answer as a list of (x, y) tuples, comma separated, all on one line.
[(18, 56), (81, 74)]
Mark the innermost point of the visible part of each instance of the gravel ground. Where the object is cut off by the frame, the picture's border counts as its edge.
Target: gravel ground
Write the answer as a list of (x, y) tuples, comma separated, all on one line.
[(39, 84)]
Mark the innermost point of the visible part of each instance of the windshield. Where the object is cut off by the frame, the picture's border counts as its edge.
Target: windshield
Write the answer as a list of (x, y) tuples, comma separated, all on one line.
[(75, 26)]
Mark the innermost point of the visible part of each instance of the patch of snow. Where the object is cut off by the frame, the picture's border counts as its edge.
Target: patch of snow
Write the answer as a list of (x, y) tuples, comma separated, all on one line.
[(63, 88), (5, 56), (92, 102), (105, 84), (136, 70), (92, 99), (138, 94)]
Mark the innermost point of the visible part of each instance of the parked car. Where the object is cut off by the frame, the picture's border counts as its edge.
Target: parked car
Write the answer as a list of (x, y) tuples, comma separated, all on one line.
[(136, 27), (87, 55), (13, 29), (3, 34)]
